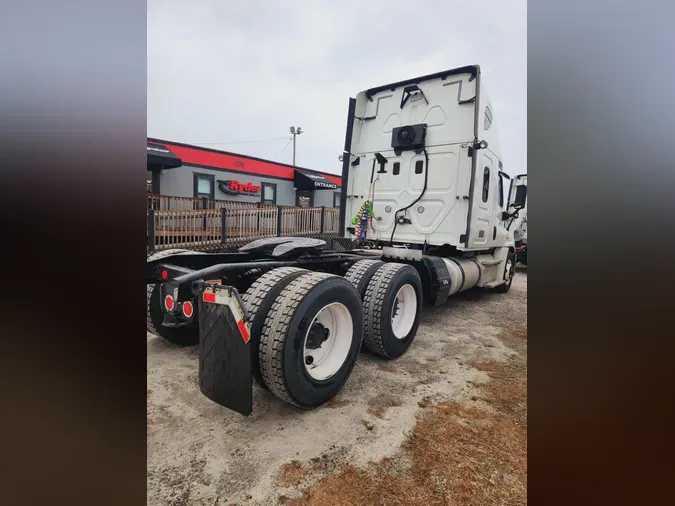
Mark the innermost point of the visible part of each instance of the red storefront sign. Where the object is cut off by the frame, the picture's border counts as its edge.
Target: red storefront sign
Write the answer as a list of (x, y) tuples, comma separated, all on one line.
[(232, 187)]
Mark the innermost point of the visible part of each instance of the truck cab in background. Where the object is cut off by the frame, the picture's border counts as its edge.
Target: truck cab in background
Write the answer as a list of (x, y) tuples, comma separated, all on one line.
[(520, 236)]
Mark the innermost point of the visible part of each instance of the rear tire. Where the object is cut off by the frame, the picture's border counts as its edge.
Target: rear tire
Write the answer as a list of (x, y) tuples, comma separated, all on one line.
[(316, 314), (361, 273), (258, 300), (392, 307), (182, 336)]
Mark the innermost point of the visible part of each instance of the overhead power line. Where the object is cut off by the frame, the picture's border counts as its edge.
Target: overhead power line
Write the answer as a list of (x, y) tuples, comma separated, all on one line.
[(244, 142), (282, 151)]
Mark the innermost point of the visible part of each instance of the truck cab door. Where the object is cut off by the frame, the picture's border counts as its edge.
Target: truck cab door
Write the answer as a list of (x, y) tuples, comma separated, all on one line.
[(482, 212)]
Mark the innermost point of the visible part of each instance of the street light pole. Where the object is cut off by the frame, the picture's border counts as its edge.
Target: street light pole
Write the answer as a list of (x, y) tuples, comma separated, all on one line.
[(295, 132)]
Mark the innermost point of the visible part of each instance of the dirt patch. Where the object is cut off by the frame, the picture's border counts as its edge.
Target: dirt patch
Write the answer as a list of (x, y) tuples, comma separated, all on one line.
[(380, 404), (291, 474), (386, 367), (336, 402), (459, 454), (513, 333), (426, 402), (428, 381), (485, 366)]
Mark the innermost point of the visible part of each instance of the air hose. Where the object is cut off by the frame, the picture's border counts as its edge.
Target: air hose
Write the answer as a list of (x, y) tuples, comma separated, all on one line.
[(424, 189)]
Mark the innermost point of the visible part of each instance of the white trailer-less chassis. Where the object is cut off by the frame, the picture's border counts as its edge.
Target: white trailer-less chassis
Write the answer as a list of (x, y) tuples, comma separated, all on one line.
[(422, 196)]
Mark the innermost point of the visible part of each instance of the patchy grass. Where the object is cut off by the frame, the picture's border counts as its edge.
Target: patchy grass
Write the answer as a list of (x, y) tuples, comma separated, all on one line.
[(456, 455), (380, 404)]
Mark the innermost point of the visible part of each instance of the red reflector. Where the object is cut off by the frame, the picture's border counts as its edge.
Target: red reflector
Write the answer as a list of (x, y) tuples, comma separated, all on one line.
[(187, 309), (168, 302), (244, 332), (209, 297), (165, 275)]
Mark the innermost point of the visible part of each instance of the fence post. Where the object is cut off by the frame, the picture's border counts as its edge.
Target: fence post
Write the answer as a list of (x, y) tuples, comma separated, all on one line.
[(323, 214), (258, 206), (151, 230), (205, 205), (278, 221), (223, 222)]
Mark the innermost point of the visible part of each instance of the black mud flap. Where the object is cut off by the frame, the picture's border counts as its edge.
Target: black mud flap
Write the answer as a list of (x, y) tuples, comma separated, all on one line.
[(224, 350)]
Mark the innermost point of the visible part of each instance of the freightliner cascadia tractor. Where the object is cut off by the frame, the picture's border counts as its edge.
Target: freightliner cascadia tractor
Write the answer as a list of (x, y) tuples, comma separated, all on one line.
[(425, 205)]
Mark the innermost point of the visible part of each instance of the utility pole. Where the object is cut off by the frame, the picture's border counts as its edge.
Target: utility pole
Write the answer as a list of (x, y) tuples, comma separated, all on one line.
[(295, 132)]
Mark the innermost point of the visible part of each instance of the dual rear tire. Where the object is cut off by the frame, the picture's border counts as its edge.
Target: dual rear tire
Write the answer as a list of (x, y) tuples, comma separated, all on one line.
[(392, 303), (306, 330), (307, 327)]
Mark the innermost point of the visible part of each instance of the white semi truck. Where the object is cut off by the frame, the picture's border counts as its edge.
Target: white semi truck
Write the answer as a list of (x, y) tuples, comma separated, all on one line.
[(423, 202)]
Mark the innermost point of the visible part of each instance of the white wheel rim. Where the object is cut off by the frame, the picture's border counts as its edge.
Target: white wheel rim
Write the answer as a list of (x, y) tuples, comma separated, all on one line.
[(403, 311), (324, 361)]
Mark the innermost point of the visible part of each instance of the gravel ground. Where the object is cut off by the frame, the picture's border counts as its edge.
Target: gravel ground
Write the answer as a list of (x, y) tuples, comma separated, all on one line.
[(201, 453)]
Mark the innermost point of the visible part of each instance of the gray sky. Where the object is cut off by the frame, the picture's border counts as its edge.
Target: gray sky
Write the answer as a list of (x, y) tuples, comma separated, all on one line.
[(222, 72)]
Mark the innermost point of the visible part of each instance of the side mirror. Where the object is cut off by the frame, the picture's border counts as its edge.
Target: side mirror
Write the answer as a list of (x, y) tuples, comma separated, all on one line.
[(505, 215), (521, 197)]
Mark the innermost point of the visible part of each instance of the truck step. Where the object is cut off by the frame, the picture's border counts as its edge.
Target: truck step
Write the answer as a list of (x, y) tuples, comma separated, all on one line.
[(493, 284), (489, 263)]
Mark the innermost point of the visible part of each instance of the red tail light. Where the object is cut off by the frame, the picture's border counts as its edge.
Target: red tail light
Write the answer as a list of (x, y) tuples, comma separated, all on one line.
[(169, 303), (165, 275), (188, 309)]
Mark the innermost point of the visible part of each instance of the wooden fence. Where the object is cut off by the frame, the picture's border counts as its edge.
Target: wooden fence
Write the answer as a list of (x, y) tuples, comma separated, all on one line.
[(204, 227), (167, 203), (331, 220)]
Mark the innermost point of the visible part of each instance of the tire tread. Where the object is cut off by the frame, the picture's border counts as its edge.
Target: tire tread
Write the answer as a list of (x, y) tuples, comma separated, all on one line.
[(254, 297), (357, 271), (372, 306), (275, 331)]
